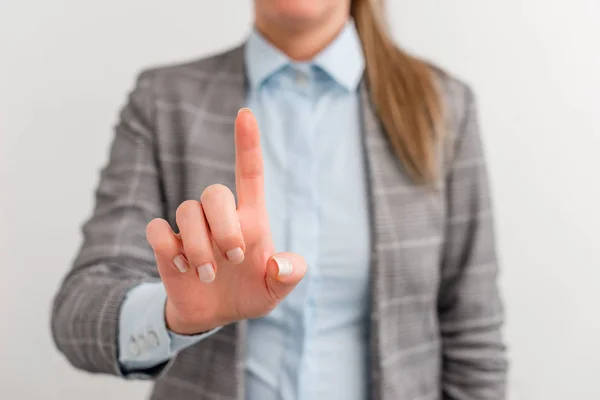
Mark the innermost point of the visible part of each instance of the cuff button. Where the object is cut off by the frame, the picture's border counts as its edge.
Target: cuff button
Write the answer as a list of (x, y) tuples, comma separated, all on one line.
[(152, 339), (133, 347)]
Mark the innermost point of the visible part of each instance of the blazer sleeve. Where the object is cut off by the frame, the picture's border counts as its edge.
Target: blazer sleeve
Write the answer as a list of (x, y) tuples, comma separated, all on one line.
[(469, 305), (114, 256)]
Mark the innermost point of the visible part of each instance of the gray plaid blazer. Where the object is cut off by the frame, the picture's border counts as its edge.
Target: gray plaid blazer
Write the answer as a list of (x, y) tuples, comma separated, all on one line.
[(436, 314)]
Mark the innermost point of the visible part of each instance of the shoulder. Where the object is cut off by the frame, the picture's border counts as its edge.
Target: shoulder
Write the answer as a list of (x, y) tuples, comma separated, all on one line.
[(460, 120), (456, 95)]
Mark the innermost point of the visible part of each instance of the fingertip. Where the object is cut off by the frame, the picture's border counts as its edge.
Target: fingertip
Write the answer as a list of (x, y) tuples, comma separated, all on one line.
[(246, 120), (157, 232), (153, 226)]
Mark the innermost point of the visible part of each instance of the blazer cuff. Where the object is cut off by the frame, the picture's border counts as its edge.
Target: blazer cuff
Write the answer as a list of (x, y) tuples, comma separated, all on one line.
[(144, 340)]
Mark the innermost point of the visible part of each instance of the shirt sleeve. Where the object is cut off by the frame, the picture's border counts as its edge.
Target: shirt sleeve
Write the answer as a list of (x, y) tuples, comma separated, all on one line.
[(144, 340)]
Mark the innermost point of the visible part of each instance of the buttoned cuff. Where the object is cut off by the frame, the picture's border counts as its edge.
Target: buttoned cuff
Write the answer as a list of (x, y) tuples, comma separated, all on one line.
[(144, 340)]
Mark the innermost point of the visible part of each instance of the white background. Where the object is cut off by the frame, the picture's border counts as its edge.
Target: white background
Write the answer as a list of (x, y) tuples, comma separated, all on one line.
[(66, 66)]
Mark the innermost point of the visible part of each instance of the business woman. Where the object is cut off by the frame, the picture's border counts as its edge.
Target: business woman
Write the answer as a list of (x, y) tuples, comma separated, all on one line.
[(345, 252)]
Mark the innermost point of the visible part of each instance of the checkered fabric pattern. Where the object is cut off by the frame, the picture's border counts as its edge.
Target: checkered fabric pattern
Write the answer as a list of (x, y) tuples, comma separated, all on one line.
[(436, 313)]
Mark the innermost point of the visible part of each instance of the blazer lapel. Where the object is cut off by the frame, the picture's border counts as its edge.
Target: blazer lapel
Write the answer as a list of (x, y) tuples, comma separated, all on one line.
[(225, 95), (373, 137), (406, 219)]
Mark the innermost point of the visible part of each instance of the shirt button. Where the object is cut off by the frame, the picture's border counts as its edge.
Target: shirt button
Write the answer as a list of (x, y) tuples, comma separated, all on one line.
[(301, 78), (133, 347), (152, 339)]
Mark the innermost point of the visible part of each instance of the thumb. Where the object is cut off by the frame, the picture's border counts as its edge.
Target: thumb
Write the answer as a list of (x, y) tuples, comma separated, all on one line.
[(284, 272)]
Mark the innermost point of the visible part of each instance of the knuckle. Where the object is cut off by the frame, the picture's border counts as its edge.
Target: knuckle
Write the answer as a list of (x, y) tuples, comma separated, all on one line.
[(186, 208), (154, 227), (250, 170), (228, 238), (157, 235), (273, 298), (196, 256), (198, 252), (216, 193), (162, 245)]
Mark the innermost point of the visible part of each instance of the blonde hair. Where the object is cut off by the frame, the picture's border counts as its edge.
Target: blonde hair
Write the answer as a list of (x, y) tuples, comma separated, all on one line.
[(403, 92)]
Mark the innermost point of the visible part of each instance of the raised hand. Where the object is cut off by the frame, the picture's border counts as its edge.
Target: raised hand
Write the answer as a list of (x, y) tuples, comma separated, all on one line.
[(222, 266)]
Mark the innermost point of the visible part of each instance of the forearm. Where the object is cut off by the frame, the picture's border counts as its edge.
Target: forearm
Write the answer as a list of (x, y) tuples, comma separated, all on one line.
[(474, 362), (85, 316), (471, 312), (114, 256)]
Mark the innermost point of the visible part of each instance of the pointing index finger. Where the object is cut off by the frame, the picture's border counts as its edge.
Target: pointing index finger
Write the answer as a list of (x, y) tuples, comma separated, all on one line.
[(249, 173)]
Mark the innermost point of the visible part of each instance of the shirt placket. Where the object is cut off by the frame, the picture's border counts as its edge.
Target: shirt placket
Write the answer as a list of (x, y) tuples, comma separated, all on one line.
[(303, 227)]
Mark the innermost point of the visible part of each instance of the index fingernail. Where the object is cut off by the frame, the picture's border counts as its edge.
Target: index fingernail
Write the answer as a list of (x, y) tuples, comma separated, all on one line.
[(244, 109)]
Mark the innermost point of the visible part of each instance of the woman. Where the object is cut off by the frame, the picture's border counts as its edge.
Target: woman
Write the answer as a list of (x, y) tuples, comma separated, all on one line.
[(368, 173)]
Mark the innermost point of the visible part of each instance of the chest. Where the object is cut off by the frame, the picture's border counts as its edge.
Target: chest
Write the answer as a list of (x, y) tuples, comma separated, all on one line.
[(315, 183), (406, 222)]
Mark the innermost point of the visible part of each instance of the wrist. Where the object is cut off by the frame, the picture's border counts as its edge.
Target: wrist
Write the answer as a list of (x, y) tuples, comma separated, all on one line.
[(181, 324)]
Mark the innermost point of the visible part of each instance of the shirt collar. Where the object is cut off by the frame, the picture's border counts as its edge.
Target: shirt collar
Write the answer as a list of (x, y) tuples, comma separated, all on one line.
[(342, 59), (262, 58)]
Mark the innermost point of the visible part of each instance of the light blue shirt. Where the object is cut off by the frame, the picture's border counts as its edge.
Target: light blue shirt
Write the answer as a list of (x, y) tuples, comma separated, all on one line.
[(314, 344)]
